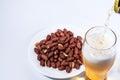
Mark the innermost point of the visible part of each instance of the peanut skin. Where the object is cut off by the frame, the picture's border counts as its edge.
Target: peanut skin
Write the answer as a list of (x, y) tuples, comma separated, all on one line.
[(60, 50)]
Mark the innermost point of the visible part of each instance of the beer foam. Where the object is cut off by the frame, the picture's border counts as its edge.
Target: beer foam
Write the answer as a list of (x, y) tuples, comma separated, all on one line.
[(100, 41), (96, 47)]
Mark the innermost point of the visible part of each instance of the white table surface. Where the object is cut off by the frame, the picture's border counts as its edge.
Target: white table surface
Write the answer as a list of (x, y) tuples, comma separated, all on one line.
[(20, 20)]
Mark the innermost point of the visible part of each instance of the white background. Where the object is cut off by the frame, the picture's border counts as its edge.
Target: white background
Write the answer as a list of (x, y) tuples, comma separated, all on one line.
[(20, 20)]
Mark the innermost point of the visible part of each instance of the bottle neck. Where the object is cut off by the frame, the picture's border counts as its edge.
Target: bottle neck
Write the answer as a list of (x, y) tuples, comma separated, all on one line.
[(117, 6)]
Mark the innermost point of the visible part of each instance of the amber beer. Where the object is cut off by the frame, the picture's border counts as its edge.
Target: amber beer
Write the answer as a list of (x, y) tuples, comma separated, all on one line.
[(98, 52)]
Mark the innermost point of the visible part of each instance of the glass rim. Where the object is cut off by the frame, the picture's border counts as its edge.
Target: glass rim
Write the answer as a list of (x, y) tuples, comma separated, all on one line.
[(100, 27)]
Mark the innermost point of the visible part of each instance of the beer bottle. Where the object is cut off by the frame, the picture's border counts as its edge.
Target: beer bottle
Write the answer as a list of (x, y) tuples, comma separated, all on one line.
[(117, 6)]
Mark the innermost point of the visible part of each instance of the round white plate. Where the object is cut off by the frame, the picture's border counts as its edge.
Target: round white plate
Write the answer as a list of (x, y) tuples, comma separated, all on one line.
[(51, 72)]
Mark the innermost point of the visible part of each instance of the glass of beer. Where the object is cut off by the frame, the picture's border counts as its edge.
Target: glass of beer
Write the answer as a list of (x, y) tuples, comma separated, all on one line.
[(98, 52)]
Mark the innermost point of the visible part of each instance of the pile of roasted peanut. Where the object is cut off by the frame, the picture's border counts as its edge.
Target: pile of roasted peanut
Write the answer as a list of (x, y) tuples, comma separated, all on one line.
[(60, 50)]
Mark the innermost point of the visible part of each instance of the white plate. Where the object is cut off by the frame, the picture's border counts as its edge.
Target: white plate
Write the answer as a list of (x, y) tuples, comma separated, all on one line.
[(50, 72)]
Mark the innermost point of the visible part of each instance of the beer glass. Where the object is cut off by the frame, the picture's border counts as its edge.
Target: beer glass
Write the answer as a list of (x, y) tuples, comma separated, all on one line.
[(98, 52)]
